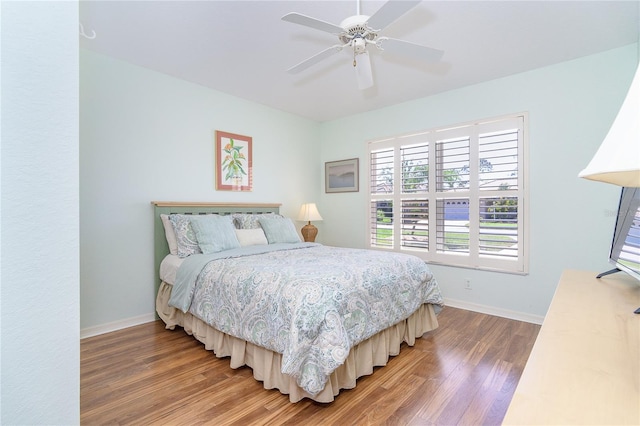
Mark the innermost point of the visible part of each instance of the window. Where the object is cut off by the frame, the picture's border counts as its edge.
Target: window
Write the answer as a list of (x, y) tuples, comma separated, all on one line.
[(454, 196)]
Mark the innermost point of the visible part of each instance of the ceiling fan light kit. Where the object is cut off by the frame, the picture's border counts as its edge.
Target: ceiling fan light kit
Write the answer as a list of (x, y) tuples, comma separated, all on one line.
[(357, 32), (364, 76)]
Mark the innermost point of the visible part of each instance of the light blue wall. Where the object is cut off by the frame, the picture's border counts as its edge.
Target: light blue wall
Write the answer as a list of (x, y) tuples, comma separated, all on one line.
[(39, 279), (571, 106), (145, 137)]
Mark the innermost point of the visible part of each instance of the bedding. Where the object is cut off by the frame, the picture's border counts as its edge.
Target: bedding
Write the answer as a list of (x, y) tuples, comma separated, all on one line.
[(281, 298), (169, 268), (336, 318), (266, 364), (250, 220), (251, 237), (169, 233), (214, 233), (186, 241), (279, 230)]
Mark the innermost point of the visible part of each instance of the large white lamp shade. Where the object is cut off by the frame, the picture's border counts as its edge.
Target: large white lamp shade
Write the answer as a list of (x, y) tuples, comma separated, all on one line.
[(617, 161)]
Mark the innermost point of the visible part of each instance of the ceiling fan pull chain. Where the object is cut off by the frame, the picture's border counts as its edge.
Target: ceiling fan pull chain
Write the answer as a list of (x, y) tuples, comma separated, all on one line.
[(354, 56)]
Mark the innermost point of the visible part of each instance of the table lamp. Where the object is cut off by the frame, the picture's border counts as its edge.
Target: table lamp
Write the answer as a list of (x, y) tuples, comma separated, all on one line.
[(309, 212)]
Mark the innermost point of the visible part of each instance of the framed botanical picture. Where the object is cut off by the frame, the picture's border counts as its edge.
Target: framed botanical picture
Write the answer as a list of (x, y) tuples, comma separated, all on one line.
[(234, 162), (341, 176)]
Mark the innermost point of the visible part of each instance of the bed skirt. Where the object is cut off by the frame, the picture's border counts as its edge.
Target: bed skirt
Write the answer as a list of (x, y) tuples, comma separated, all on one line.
[(266, 364)]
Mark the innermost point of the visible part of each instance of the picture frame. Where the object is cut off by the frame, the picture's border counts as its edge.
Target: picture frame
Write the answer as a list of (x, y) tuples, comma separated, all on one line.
[(233, 162), (341, 176)]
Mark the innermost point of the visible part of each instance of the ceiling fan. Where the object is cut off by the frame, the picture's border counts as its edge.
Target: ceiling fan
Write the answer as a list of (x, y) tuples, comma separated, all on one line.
[(360, 31)]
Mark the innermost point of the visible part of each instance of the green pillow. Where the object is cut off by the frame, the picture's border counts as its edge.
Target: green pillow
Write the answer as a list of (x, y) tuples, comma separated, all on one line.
[(279, 230), (214, 233)]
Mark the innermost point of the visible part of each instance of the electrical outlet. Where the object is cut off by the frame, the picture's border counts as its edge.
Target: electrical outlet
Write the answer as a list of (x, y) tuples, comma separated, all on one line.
[(467, 284)]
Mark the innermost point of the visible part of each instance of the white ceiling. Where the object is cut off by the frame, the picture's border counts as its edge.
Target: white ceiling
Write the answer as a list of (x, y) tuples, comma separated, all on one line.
[(243, 48)]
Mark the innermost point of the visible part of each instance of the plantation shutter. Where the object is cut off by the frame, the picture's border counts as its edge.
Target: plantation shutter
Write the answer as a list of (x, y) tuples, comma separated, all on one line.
[(453, 196), (452, 160), (453, 157), (381, 182), (414, 204), (500, 224)]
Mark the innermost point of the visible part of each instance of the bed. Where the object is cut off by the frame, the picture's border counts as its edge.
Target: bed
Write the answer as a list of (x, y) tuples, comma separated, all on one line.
[(255, 298)]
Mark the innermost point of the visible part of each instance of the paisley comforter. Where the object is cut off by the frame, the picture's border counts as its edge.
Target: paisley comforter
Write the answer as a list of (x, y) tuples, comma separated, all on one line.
[(309, 302)]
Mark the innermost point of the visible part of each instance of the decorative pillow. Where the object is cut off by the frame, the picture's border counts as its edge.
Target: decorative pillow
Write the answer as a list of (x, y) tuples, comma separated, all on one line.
[(185, 236), (279, 230), (250, 220), (251, 237), (215, 233), (169, 233)]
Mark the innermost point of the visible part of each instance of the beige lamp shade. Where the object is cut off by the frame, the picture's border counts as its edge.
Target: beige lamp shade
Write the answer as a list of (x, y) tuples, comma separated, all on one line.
[(617, 161), (309, 212)]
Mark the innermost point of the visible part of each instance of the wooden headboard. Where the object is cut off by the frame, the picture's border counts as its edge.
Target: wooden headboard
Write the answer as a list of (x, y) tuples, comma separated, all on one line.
[(161, 247)]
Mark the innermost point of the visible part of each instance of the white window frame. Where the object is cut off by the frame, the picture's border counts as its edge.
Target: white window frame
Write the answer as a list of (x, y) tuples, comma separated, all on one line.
[(473, 259)]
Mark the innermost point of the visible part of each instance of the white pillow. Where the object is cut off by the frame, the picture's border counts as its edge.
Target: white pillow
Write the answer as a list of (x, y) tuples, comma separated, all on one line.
[(251, 237), (170, 234)]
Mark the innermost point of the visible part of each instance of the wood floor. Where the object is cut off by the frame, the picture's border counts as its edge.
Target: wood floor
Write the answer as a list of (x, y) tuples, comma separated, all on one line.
[(465, 373)]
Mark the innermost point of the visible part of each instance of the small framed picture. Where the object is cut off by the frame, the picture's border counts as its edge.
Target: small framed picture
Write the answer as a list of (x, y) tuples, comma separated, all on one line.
[(341, 176), (234, 162)]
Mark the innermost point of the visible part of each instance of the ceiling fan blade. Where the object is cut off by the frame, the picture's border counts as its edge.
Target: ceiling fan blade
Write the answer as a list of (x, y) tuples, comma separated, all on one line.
[(308, 21), (389, 12), (314, 59), (363, 70), (406, 48)]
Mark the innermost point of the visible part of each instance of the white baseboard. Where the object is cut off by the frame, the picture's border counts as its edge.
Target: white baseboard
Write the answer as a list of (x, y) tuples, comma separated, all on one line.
[(116, 325), (490, 310), (483, 309)]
